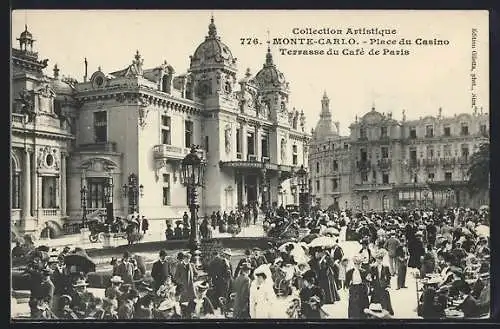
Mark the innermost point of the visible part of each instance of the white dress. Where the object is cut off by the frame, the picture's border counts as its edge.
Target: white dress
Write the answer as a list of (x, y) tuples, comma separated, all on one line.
[(262, 300)]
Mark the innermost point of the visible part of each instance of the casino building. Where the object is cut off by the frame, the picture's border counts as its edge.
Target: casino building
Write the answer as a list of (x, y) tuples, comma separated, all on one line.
[(116, 139), (386, 163)]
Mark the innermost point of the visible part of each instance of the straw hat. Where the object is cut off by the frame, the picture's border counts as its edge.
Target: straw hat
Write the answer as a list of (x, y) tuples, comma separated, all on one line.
[(377, 311), (116, 279), (166, 305), (379, 254), (227, 252), (357, 259), (80, 283)]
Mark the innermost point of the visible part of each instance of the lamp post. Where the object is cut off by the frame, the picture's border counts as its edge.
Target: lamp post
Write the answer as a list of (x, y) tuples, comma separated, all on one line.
[(193, 170), (132, 190), (108, 193), (303, 195), (83, 202)]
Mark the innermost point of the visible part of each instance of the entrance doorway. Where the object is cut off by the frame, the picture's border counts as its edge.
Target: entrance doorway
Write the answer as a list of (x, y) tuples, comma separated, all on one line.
[(251, 182)]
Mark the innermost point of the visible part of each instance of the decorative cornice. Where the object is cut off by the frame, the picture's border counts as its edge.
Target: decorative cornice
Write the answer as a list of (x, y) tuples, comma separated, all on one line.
[(41, 133)]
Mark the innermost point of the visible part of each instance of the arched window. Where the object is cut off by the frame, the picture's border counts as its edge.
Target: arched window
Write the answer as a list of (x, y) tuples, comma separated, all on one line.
[(15, 186), (385, 203), (365, 205)]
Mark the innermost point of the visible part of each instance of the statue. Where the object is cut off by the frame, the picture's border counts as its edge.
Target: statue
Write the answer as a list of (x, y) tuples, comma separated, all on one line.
[(228, 134), (28, 105), (283, 149)]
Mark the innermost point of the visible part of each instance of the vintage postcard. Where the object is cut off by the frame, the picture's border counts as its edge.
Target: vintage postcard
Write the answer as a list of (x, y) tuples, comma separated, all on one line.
[(249, 164)]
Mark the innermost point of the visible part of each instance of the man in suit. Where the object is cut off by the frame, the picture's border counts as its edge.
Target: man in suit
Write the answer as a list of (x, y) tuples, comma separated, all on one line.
[(125, 269), (160, 270), (381, 281), (46, 288), (259, 258), (250, 261), (220, 271), (241, 288), (185, 276), (391, 245)]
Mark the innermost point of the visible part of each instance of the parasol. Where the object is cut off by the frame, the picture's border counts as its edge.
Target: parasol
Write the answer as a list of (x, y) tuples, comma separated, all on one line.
[(484, 207), (309, 238), (80, 260), (483, 230), (323, 241)]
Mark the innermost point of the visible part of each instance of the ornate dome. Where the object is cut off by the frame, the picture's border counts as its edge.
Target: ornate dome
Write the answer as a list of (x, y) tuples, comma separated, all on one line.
[(372, 117), (212, 51), (60, 87), (269, 76), (325, 127)]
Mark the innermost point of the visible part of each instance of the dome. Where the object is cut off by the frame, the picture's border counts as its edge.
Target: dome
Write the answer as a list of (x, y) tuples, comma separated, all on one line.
[(325, 127), (26, 35), (269, 75), (372, 117), (212, 51)]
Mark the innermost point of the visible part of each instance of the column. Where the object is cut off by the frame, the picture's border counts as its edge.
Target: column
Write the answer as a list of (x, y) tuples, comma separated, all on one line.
[(63, 184), (244, 145), (258, 146), (34, 186), (26, 185), (39, 209)]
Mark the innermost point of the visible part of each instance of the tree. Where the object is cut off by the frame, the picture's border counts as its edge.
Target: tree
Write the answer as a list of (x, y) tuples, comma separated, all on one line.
[(479, 170)]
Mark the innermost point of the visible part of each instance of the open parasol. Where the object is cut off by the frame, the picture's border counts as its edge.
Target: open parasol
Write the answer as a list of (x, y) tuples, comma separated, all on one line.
[(484, 207), (308, 238), (483, 230), (81, 260), (323, 242)]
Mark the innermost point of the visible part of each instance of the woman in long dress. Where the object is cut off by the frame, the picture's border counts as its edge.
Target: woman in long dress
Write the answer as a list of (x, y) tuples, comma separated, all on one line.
[(262, 297), (357, 280)]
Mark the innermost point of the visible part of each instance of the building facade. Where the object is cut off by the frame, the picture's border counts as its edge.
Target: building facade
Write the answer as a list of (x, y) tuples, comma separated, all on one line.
[(407, 163), (125, 134)]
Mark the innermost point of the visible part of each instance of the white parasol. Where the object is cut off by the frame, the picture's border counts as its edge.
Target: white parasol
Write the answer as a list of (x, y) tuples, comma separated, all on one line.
[(484, 207), (483, 230), (323, 241)]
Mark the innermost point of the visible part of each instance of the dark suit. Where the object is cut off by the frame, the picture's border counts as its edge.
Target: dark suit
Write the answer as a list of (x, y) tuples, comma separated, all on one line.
[(220, 271), (159, 272), (260, 260), (380, 283), (185, 275), (241, 287), (250, 260), (46, 292)]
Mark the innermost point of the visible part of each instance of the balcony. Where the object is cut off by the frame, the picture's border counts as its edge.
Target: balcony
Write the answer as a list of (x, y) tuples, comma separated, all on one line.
[(363, 165), (431, 162), (97, 147), (50, 212), (373, 187), (17, 118), (384, 164), (170, 152)]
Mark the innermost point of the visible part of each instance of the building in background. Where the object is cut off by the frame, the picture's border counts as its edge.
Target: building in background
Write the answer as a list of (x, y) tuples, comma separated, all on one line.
[(114, 141), (408, 163)]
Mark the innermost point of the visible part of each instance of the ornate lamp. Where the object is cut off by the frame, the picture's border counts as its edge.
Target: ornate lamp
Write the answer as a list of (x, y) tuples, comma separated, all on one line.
[(83, 201)]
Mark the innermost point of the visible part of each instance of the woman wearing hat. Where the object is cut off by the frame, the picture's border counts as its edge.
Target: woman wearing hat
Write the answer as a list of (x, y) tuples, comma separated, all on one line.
[(376, 311), (168, 309), (357, 279), (262, 296), (381, 281), (64, 310), (311, 297), (114, 290), (80, 297), (200, 306)]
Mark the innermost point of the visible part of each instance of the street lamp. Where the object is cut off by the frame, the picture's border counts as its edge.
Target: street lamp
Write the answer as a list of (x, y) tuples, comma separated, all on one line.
[(193, 170), (302, 182), (132, 190), (83, 202)]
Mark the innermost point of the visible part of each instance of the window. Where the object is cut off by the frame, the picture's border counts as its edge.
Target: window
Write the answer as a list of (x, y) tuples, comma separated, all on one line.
[(447, 176), (295, 154), (365, 205), (362, 133), (207, 144), (383, 132), (430, 176), (465, 151), (251, 143), (385, 152), (363, 155), (317, 186), (317, 167), (188, 133), (335, 184), (374, 176), (294, 123), (447, 151), (429, 131), (15, 185), (264, 145), (346, 146), (238, 140), (385, 178), (413, 156), (96, 197), (100, 127), (166, 137), (483, 130), (430, 152), (166, 190), (447, 131), (335, 165), (49, 187), (465, 129), (413, 132), (385, 202), (364, 177)]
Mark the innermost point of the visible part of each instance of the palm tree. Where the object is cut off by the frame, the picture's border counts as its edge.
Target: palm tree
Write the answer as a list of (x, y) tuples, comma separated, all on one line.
[(479, 170)]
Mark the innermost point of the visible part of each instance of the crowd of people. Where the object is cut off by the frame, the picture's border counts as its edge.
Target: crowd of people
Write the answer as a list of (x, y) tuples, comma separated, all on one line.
[(446, 250)]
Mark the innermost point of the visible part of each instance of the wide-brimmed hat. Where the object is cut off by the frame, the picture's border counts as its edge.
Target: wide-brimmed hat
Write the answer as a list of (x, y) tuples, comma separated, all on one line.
[(65, 299), (432, 281), (484, 275), (227, 252), (201, 285), (246, 266), (116, 279), (256, 249), (166, 305), (277, 260), (377, 311), (80, 283), (419, 233), (379, 254), (357, 259), (308, 275)]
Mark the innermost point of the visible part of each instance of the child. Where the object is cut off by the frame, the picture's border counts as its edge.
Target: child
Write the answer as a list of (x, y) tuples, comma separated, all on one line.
[(342, 269)]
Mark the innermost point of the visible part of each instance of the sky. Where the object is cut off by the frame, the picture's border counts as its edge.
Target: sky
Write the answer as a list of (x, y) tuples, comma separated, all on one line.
[(428, 78)]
